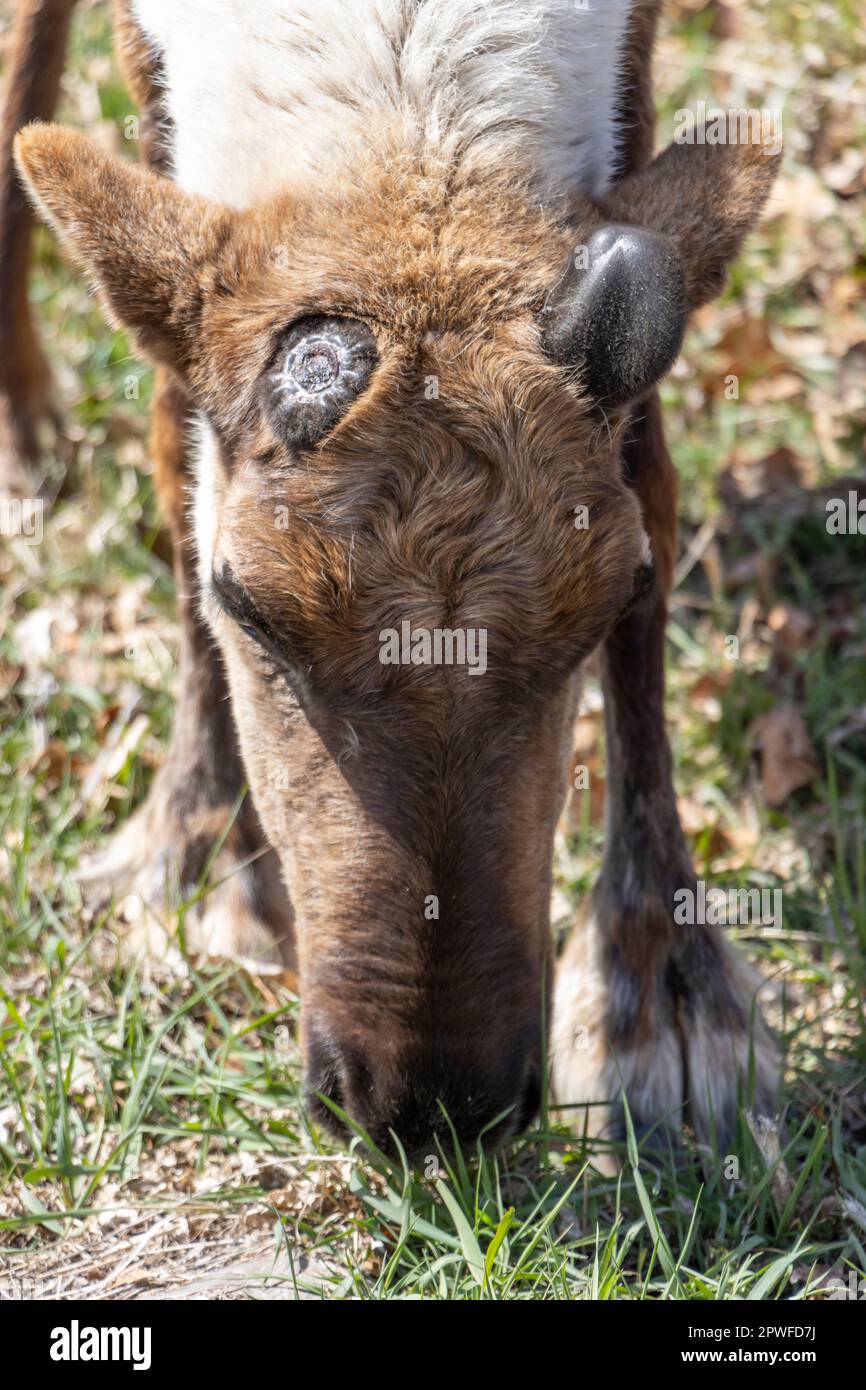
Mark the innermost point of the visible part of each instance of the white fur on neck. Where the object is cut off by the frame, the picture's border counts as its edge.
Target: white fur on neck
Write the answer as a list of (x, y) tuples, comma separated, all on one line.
[(263, 93)]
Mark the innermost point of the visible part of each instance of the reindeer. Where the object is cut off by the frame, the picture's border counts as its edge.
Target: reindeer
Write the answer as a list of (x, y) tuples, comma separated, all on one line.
[(340, 205)]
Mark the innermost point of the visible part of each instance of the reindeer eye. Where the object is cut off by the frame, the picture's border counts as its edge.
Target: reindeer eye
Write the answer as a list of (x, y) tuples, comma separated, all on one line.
[(316, 366), (320, 367)]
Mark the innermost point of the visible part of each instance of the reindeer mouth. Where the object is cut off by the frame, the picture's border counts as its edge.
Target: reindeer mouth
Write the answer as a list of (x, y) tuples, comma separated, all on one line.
[(419, 1125)]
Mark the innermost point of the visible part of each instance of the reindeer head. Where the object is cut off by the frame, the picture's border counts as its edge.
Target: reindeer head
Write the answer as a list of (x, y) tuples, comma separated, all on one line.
[(412, 396)]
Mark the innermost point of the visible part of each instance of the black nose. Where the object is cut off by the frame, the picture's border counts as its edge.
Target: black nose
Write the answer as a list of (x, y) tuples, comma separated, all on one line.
[(422, 1097)]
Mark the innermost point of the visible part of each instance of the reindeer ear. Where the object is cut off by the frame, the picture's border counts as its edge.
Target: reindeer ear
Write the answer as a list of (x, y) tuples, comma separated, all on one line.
[(704, 199), (151, 249), (620, 311)]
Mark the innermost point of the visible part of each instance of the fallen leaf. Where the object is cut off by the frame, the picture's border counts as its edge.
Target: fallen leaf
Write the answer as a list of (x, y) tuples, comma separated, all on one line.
[(746, 479), (123, 740), (792, 629), (765, 1133), (788, 760)]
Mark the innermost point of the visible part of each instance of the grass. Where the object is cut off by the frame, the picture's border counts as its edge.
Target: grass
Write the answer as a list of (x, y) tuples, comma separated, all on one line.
[(151, 1125)]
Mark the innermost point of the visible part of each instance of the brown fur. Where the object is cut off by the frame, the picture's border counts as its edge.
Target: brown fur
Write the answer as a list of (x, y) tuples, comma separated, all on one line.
[(144, 76), (381, 787)]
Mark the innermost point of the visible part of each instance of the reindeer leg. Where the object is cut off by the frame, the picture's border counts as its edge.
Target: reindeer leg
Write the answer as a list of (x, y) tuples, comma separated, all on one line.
[(32, 85), (662, 1011)]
